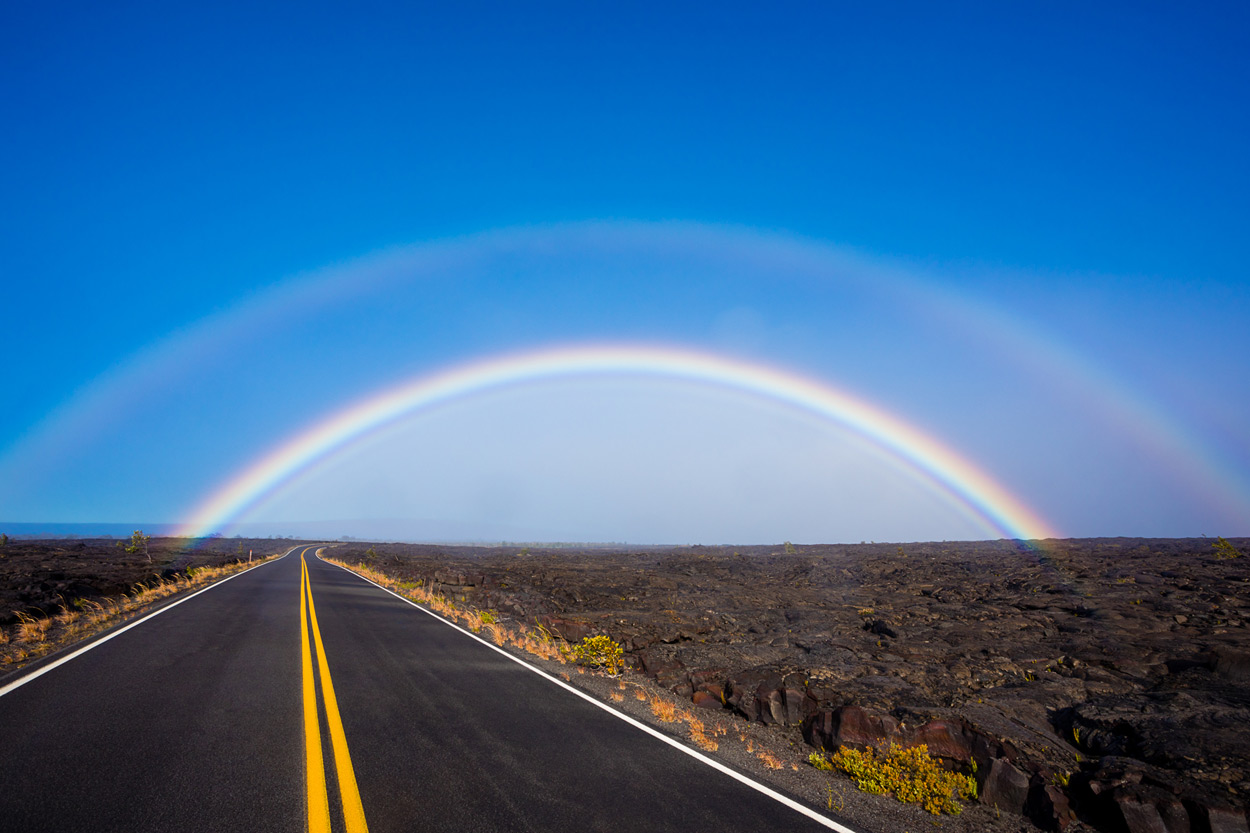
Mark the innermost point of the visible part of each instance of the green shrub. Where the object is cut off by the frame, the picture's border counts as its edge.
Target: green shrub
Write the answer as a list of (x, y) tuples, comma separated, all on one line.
[(599, 652), (818, 760), (139, 543), (909, 774), (1223, 549)]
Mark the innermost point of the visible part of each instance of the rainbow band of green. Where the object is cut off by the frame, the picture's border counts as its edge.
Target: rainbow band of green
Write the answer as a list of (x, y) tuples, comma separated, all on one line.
[(971, 488)]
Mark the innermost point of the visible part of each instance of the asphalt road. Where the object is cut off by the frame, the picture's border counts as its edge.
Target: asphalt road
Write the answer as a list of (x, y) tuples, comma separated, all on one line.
[(241, 708)]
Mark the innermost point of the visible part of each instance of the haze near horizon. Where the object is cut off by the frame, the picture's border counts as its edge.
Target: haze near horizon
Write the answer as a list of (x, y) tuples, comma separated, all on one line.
[(1015, 233)]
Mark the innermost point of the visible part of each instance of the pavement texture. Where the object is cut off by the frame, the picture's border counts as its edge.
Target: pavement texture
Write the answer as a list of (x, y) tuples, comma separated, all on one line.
[(195, 721)]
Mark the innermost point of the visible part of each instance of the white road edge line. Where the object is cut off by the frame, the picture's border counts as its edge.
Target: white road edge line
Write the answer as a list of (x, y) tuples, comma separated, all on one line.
[(34, 675), (699, 756)]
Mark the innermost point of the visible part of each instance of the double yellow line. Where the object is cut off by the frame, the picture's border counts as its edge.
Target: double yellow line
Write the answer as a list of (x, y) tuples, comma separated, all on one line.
[(349, 795)]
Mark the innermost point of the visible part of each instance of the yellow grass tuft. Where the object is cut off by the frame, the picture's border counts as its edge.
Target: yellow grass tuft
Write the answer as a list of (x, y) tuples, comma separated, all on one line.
[(698, 734), (664, 710), (538, 642), (770, 760), (35, 636)]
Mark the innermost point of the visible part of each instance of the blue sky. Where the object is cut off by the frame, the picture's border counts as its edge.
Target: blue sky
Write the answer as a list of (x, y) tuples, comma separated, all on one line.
[(1028, 219)]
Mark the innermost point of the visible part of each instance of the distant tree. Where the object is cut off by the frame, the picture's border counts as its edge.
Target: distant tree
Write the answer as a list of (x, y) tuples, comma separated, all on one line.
[(1223, 549), (4, 540), (139, 543), (790, 550), (371, 553)]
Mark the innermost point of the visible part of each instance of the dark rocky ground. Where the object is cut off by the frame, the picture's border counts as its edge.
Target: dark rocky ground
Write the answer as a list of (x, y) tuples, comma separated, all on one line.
[(1098, 683), (1091, 684), (39, 577)]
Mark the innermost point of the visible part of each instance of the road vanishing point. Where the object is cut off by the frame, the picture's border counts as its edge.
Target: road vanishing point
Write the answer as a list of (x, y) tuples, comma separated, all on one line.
[(298, 696)]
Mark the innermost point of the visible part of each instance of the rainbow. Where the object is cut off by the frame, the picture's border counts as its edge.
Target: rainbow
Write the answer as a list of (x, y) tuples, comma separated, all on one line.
[(970, 488)]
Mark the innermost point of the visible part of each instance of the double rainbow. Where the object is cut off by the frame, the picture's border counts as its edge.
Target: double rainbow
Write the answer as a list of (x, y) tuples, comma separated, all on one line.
[(972, 489)]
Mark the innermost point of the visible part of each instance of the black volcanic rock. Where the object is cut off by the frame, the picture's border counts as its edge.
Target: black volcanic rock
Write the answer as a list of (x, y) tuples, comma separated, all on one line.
[(1046, 659)]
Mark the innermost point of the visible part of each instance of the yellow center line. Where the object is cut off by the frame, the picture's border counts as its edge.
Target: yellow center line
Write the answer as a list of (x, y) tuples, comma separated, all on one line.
[(349, 794), (318, 802)]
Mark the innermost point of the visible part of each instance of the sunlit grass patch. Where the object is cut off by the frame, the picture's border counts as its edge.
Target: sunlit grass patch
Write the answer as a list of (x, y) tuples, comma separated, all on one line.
[(770, 760), (498, 634), (537, 641), (663, 709), (698, 733), (35, 636)]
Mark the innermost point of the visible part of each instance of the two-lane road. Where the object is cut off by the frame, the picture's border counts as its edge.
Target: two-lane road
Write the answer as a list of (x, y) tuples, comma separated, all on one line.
[(257, 704)]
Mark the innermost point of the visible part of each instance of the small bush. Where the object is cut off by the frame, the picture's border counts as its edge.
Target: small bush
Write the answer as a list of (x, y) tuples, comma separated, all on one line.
[(1223, 549), (599, 652), (818, 760), (909, 774)]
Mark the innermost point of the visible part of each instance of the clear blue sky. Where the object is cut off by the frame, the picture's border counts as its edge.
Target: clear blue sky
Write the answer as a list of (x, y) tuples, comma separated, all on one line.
[(1076, 174)]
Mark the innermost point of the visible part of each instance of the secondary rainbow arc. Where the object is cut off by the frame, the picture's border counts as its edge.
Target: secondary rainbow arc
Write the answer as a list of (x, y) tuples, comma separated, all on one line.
[(968, 485)]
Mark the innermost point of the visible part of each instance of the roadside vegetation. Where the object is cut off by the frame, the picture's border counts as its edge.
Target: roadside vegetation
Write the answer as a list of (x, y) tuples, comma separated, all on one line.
[(35, 635), (1224, 549), (596, 652), (909, 774)]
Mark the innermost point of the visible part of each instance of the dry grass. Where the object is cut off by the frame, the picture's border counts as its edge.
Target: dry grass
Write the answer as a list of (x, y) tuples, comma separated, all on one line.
[(640, 694), (537, 641), (664, 710), (472, 620), (31, 629), (770, 760), (617, 697), (36, 636), (698, 733)]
